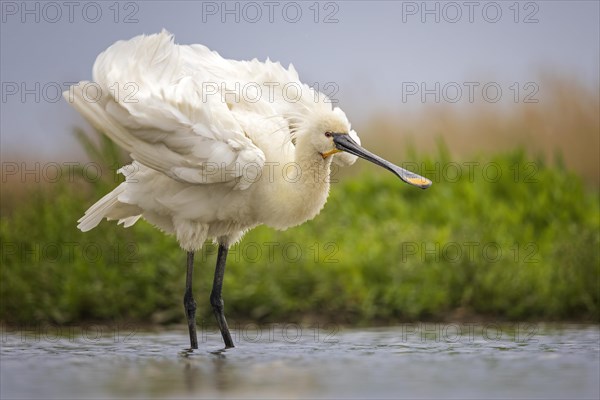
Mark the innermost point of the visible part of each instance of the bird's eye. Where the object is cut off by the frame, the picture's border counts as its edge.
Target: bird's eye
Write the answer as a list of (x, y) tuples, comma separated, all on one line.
[(328, 134)]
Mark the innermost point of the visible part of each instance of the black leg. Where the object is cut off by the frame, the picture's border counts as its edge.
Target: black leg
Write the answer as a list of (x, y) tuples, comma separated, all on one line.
[(188, 301), (215, 296)]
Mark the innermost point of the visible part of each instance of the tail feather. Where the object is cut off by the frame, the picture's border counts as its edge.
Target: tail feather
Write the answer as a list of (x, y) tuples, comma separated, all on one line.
[(129, 221), (110, 207)]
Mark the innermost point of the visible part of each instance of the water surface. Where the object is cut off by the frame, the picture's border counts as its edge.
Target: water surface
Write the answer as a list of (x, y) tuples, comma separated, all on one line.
[(292, 361)]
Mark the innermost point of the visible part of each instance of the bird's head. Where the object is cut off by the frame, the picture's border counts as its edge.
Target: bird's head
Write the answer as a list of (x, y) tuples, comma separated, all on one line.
[(330, 135), (321, 128)]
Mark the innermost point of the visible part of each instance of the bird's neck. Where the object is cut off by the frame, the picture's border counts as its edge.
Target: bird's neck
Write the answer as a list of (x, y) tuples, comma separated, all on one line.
[(300, 192), (314, 172), (312, 186)]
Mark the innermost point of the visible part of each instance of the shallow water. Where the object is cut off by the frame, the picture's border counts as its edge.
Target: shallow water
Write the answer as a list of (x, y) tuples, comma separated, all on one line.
[(430, 360)]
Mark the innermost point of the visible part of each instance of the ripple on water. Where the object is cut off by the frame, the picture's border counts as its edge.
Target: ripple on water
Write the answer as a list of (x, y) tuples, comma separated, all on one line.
[(555, 362)]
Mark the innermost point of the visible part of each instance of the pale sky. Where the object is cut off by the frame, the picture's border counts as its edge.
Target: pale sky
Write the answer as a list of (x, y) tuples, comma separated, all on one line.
[(373, 52)]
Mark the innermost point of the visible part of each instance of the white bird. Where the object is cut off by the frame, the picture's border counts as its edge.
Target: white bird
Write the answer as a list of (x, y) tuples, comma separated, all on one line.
[(219, 147)]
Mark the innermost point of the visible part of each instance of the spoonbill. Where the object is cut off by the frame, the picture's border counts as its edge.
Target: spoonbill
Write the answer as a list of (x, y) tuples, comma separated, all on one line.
[(213, 142)]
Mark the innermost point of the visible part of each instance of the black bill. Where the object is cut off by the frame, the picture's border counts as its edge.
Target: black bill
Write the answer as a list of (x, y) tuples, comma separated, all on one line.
[(345, 143)]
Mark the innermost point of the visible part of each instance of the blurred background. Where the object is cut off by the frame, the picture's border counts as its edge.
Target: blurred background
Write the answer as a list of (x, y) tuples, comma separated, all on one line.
[(496, 102)]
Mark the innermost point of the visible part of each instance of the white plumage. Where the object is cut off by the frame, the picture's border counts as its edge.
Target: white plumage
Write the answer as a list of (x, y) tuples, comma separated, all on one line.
[(219, 146), (199, 169)]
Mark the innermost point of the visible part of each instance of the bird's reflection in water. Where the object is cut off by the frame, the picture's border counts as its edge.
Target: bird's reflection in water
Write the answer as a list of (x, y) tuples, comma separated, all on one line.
[(222, 376), (190, 374), (198, 372)]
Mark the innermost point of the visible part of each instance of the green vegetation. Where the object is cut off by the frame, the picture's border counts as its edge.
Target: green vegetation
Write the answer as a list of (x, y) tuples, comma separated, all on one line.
[(523, 245)]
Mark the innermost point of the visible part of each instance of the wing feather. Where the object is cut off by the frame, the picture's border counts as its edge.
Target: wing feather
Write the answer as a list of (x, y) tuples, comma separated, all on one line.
[(154, 109)]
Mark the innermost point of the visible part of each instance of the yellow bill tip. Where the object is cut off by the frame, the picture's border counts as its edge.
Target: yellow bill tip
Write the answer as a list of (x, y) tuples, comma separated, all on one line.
[(419, 181)]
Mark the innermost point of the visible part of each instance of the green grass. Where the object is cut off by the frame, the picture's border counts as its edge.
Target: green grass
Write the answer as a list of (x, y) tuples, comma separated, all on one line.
[(524, 246)]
